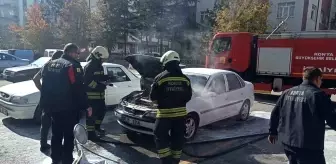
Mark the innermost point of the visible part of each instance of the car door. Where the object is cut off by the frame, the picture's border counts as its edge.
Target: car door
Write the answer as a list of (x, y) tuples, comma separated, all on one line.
[(4, 62), (122, 85), (12, 61), (235, 94), (217, 95)]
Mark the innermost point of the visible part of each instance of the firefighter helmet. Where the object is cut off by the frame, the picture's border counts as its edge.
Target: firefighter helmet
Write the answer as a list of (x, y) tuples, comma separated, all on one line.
[(169, 56), (100, 52)]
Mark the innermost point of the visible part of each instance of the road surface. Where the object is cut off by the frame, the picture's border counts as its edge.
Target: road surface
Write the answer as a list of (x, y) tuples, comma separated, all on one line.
[(20, 143)]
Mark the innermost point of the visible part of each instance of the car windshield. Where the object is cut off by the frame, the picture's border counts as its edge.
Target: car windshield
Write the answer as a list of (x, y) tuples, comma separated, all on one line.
[(198, 82), (40, 62)]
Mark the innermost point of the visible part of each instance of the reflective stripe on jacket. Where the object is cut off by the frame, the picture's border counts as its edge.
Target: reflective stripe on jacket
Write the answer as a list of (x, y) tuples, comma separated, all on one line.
[(172, 112), (96, 95)]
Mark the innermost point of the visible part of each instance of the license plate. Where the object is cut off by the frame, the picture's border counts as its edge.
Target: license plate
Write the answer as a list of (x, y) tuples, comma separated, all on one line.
[(131, 121), (4, 111)]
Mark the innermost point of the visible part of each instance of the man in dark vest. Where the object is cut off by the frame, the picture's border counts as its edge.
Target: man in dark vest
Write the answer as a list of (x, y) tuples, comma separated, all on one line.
[(63, 95)]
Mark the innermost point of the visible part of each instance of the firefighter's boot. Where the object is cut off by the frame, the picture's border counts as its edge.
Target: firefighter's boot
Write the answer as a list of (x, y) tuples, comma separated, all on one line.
[(92, 136), (100, 131)]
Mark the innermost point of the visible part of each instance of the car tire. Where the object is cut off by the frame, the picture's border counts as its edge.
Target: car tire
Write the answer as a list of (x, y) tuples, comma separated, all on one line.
[(244, 111), (37, 115), (191, 121)]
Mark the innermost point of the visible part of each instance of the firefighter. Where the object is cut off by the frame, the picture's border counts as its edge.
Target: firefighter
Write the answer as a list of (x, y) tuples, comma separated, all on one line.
[(171, 91), (299, 119), (63, 95), (95, 82), (45, 117)]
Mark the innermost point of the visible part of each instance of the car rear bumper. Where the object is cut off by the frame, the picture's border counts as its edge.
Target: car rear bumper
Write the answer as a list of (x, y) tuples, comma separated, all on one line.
[(126, 120), (17, 111)]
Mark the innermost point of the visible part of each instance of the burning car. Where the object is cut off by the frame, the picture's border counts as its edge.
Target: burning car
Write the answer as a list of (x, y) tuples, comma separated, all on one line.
[(217, 95)]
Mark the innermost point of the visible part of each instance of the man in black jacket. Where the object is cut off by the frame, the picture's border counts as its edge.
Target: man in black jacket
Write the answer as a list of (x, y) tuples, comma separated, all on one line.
[(171, 90), (45, 117), (95, 85), (299, 120), (63, 95)]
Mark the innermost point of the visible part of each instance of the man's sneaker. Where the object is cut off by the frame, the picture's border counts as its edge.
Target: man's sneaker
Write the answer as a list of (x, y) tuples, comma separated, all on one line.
[(45, 148)]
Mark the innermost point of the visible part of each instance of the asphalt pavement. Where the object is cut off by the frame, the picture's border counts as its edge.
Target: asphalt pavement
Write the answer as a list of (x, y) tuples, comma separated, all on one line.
[(20, 143)]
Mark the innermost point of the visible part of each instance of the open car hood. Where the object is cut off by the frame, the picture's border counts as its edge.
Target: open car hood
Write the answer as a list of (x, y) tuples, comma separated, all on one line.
[(147, 66)]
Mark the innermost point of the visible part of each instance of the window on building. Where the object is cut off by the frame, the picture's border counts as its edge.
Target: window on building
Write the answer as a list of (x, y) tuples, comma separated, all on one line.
[(11, 12), (313, 14), (204, 16), (322, 17), (286, 9)]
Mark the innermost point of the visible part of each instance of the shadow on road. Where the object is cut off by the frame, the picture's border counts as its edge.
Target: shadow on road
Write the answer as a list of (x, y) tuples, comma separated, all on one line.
[(266, 98), (25, 128)]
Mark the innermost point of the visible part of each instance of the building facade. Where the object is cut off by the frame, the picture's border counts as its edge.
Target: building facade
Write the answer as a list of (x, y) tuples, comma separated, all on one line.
[(10, 12), (304, 15)]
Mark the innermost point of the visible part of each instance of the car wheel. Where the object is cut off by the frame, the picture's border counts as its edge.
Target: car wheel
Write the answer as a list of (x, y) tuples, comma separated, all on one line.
[(191, 122), (37, 115), (244, 111)]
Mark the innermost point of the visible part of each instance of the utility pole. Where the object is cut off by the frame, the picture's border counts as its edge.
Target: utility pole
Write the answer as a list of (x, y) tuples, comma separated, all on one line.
[(317, 14)]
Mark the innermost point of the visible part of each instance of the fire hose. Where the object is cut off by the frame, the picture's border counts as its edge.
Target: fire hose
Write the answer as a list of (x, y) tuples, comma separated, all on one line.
[(260, 137)]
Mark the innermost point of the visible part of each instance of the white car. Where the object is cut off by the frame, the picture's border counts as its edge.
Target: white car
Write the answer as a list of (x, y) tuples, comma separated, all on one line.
[(218, 94), (19, 100)]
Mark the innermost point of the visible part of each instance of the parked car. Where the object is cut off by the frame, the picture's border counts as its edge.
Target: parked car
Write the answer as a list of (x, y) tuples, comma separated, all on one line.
[(50, 52), (217, 95), (19, 100), (8, 61), (23, 73), (23, 54)]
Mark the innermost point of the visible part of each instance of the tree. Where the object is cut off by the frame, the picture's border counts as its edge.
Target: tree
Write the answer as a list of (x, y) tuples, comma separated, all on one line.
[(36, 33), (120, 20), (74, 23), (244, 16)]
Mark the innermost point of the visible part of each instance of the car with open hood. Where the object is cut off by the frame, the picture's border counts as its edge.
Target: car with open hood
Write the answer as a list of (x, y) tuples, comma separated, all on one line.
[(23, 73), (20, 100), (217, 95)]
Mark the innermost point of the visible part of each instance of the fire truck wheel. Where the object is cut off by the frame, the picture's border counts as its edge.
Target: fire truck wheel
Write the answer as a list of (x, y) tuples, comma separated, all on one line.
[(244, 111)]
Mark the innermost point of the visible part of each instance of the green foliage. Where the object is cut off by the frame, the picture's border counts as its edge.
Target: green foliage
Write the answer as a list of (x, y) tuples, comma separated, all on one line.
[(36, 33), (243, 16), (74, 23)]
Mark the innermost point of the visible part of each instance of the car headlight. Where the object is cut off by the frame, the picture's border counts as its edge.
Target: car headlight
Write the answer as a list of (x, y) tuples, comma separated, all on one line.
[(151, 114), (19, 100)]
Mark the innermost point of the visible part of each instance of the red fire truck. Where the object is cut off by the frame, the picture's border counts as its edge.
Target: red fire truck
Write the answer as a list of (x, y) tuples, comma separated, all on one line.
[(275, 63)]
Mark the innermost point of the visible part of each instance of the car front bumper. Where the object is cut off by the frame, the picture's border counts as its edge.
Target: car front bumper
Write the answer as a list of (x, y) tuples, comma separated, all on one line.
[(17, 111), (135, 123)]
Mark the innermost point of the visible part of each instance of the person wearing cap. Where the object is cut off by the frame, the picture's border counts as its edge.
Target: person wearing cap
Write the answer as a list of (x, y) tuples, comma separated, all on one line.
[(63, 96), (45, 117), (171, 90), (95, 83)]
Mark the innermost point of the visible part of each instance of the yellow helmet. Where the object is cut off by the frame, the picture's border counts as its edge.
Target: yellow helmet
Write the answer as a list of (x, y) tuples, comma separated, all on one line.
[(100, 52), (169, 56)]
